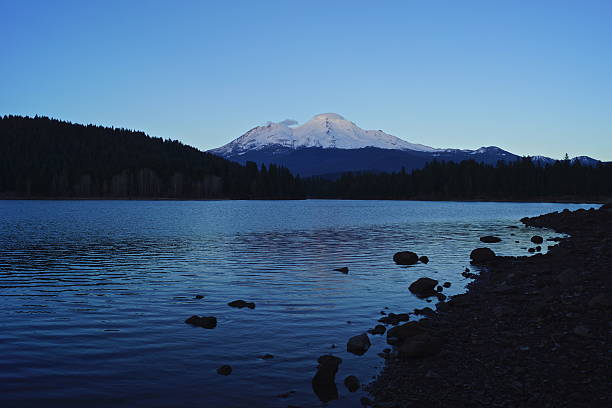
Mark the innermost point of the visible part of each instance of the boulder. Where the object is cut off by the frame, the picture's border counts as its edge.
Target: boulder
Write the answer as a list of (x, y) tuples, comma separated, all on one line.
[(402, 317), (482, 255), (404, 331), (423, 287), (352, 383), (199, 297), (266, 356), (207, 322), (446, 284), (241, 303), (423, 345), (344, 269), (440, 296), (389, 320), (324, 381), (424, 259), (490, 239), (536, 239), (358, 344), (405, 258), (531, 250), (426, 311), (224, 370), (378, 329)]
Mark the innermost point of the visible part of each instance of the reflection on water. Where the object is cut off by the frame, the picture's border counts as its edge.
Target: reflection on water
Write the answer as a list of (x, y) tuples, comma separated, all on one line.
[(95, 293)]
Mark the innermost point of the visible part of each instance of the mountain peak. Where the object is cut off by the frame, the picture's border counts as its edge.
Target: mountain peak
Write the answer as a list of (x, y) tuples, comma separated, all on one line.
[(325, 130)]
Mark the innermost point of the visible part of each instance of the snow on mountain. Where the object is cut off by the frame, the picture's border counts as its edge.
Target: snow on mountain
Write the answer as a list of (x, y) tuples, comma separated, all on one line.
[(585, 160), (326, 130)]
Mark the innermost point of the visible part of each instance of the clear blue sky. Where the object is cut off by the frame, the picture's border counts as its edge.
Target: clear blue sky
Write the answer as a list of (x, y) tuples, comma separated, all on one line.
[(533, 77)]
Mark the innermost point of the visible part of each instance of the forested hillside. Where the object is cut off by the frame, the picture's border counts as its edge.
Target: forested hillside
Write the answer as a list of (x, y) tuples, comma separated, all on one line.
[(42, 157), (468, 180)]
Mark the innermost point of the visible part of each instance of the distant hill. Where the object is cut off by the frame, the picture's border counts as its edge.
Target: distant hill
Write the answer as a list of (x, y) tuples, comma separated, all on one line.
[(43, 157), (317, 161)]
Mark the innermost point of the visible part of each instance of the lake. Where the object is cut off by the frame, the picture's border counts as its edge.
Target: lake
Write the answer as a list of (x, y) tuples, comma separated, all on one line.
[(94, 294)]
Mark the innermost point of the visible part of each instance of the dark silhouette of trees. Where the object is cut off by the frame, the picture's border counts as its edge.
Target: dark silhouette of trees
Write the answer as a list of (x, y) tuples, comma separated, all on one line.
[(469, 180), (43, 157)]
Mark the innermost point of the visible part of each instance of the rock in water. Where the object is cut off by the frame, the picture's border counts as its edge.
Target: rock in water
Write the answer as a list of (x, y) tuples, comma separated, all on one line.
[(424, 259), (490, 239), (224, 370), (398, 334), (241, 303), (426, 311), (378, 329), (207, 322), (482, 255), (405, 258), (358, 344), (351, 383), (344, 269), (423, 287), (324, 381), (536, 239)]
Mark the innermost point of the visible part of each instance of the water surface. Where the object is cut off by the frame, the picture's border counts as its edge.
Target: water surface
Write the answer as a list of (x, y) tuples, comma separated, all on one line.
[(94, 294)]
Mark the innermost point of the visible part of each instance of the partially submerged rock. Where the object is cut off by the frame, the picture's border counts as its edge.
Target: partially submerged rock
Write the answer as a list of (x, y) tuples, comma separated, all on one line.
[(490, 239), (536, 239), (423, 287), (405, 258), (424, 259), (351, 383), (426, 311), (482, 255), (378, 329), (224, 370), (394, 319), (398, 334), (344, 269), (358, 344), (241, 303), (207, 322), (324, 381)]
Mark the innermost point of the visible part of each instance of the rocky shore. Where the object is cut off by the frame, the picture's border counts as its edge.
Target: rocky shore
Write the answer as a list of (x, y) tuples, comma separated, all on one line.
[(530, 332)]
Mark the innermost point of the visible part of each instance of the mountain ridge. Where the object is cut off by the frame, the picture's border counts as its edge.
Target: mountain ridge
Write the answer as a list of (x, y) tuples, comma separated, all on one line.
[(329, 144)]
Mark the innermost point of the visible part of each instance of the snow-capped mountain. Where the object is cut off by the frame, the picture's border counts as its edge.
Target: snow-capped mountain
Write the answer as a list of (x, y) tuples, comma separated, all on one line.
[(330, 144), (326, 130)]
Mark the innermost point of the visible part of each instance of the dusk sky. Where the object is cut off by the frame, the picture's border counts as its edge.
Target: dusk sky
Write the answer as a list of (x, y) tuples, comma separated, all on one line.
[(532, 77)]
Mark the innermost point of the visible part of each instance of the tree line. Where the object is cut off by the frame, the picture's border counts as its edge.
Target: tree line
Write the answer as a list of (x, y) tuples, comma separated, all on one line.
[(469, 180), (43, 157)]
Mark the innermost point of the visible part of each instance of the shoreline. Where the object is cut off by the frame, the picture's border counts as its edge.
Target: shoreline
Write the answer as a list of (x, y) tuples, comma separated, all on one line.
[(529, 332), (475, 200)]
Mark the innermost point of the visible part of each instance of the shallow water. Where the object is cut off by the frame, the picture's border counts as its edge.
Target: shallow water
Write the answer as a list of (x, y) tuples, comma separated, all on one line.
[(94, 294)]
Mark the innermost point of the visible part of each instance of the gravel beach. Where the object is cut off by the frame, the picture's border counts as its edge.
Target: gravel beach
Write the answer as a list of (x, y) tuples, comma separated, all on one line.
[(530, 332)]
